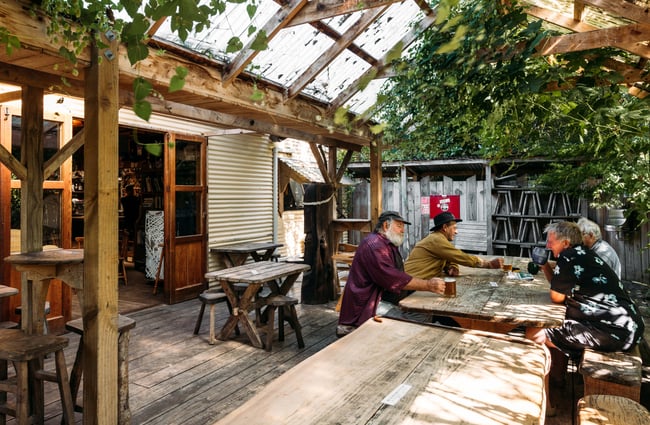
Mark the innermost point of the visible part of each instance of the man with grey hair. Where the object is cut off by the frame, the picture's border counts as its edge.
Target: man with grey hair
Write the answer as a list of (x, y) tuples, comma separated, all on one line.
[(599, 312), (377, 268), (592, 238)]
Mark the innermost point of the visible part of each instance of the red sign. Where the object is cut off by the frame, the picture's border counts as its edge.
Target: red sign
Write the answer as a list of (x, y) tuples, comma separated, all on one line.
[(445, 203)]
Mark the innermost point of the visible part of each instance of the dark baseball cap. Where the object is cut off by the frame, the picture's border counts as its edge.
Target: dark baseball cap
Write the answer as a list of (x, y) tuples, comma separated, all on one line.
[(443, 218), (392, 215)]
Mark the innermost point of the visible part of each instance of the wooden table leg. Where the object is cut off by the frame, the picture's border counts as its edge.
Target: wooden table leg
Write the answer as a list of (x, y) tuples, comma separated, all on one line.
[(240, 309)]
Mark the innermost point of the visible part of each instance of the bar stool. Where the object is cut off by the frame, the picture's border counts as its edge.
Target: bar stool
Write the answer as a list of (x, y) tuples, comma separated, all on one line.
[(211, 298), (124, 326), (8, 291), (530, 200), (27, 352), (19, 309), (282, 302)]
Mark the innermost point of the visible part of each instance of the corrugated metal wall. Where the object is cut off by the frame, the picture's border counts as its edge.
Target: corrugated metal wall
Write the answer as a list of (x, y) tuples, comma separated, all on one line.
[(240, 190)]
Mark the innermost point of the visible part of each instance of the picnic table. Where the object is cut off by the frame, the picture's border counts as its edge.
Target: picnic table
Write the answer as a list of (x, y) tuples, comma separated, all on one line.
[(236, 254), (493, 300), (278, 276), (404, 372)]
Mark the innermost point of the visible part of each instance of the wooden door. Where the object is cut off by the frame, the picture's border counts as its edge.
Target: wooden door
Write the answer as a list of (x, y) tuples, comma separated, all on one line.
[(185, 217), (57, 212)]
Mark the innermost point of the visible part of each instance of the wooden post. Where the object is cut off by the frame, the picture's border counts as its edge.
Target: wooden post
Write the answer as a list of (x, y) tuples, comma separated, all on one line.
[(99, 306), (375, 180), (316, 283)]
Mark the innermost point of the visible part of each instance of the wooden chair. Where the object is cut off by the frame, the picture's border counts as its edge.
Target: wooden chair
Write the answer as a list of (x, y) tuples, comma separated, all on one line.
[(123, 248), (282, 302), (212, 298), (28, 351), (124, 326)]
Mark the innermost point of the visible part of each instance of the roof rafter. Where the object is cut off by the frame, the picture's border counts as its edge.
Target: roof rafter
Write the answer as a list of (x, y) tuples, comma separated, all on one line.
[(278, 21), (382, 68), (624, 35), (341, 44)]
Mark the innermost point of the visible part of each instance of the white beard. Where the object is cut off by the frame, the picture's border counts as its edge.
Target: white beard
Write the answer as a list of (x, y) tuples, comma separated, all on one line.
[(395, 238)]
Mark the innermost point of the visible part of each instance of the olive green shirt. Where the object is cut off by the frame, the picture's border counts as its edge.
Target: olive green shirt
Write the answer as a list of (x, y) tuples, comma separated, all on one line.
[(434, 255)]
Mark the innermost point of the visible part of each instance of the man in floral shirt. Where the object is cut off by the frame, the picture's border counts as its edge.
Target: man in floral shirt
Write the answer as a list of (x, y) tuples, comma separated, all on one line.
[(599, 312)]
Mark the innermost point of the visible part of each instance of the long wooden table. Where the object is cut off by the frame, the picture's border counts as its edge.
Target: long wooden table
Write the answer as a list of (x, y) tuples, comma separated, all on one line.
[(278, 276), (492, 300), (236, 254), (397, 372)]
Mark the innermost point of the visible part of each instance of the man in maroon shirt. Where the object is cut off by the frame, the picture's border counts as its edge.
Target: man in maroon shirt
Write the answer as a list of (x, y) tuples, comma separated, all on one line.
[(378, 267)]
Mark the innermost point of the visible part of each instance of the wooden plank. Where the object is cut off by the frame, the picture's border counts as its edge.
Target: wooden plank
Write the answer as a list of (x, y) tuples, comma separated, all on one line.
[(420, 374), (100, 239)]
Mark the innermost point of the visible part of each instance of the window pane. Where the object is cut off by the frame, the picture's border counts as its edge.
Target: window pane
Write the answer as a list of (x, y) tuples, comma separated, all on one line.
[(188, 160), (51, 218), (51, 131), (187, 213)]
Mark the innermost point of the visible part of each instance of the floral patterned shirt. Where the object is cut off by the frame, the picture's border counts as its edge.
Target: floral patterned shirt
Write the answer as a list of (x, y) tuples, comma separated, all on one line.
[(595, 293)]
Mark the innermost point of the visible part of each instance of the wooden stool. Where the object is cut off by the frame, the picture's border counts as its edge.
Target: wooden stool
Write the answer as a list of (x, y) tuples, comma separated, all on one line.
[(124, 326), (8, 291), (211, 298), (611, 410), (124, 242), (617, 373), (281, 302), (27, 352), (19, 309)]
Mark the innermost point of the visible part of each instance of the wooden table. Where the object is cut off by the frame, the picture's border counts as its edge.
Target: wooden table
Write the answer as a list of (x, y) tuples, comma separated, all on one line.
[(489, 300), (236, 254), (407, 373), (279, 277), (40, 268)]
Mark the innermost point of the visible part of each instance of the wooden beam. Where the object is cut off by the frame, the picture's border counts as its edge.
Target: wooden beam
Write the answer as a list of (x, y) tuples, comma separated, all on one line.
[(624, 35), (316, 11), (20, 76), (64, 153), (100, 295), (330, 54), (10, 161), (233, 121), (271, 28), (321, 162), (569, 23), (31, 154), (621, 8), (375, 180), (10, 96), (343, 166)]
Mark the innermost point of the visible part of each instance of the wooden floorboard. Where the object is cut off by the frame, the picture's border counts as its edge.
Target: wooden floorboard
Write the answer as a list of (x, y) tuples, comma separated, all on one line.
[(176, 377)]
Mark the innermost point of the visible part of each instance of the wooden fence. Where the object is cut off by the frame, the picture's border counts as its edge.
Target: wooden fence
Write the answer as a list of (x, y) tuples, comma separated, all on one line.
[(477, 202)]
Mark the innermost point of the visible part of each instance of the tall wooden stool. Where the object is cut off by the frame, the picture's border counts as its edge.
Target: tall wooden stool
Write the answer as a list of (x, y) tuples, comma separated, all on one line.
[(19, 310), (8, 291), (282, 302), (124, 326), (27, 353), (211, 298)]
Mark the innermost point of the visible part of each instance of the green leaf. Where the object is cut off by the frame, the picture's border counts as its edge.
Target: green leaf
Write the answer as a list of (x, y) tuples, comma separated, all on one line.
[(260, 42), (376, 129), (395, 53), (141, 88), (176, 83), (155, 149), (251, 30), (257, 96), (137, 52), (142, 109), (234, 45), (251, 9)]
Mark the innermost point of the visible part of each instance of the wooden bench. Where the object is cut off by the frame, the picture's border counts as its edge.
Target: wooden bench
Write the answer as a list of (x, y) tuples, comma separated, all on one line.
[(611, 410), (616, 373)]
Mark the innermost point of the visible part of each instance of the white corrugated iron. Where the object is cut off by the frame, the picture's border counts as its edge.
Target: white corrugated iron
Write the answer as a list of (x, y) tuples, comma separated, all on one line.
[(240, 190)]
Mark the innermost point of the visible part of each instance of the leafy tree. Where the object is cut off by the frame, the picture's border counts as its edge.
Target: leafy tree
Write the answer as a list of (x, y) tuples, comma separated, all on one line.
[(474, 86)]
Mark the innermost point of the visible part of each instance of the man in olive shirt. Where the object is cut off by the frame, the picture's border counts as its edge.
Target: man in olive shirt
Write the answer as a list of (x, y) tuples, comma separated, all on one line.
[(435, 254)]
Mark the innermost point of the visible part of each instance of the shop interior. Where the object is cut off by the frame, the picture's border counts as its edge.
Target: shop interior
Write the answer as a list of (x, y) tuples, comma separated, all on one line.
[(141, 178)]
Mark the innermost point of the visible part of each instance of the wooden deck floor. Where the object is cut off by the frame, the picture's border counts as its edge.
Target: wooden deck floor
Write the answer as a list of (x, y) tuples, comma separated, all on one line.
[(178, 378)]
